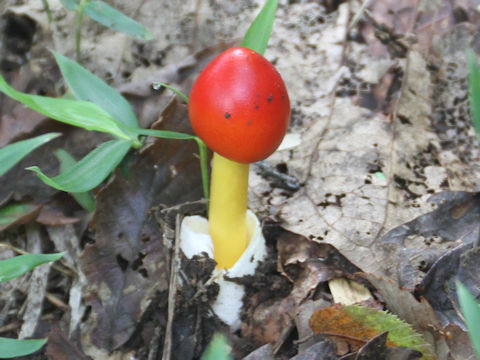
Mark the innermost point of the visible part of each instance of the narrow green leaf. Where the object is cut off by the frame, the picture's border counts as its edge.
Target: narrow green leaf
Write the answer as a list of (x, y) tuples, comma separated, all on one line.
[(85, 199), (258, 33), (12, 348), (70, 4), (10, 213), (471, 312), (218, 349), (13, 153), (19, 265), (474, 89), (89, 87), (116, 20), (91, 170), (77, 113), (157, 86), (164, 134)]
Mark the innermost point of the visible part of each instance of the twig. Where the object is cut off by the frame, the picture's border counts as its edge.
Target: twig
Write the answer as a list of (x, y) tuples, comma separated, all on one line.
[(345, 337), (172, 292), (359, 14), (154, 344), (9, 327)]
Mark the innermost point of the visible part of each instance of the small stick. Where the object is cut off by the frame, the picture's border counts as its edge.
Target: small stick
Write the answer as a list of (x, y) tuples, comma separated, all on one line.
[(172, 291)]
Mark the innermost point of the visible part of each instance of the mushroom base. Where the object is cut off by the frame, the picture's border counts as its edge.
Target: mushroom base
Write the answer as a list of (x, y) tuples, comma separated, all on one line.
[(195, 239)]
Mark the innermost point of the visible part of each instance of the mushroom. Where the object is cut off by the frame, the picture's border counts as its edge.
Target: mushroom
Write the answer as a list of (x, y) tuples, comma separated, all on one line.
[(239, 107)]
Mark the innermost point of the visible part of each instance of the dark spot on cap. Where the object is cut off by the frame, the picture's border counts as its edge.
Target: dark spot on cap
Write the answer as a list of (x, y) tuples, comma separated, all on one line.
[(257, 107), (270, 98), (249, 122), (227, 115)]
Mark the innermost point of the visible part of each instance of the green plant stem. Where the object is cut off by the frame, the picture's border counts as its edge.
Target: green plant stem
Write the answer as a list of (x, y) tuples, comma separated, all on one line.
[(46, 8), (157, 85), (202, 148), (78, 35)]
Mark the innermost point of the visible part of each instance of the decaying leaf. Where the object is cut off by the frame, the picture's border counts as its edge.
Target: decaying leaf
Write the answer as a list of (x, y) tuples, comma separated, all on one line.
[(419, 314), (273, 305), (60, 347)]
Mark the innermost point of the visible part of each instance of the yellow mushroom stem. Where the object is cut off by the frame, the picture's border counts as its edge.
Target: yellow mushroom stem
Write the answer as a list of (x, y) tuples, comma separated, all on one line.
[(228, 210)]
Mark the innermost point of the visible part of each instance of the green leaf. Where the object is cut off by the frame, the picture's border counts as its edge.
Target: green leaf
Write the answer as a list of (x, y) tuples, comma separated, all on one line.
[(13, 153), (218, 349), (77, 113), (70, 4), (12, 348), (474, 89), (258, 33), (91, 170), (10, 213), (164, 134), (88, 87), (116, 20), (85, 199), (19, 265), (471, 312)]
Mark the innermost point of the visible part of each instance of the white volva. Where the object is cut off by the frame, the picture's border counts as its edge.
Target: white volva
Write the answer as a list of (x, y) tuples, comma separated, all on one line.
[(195, 239)]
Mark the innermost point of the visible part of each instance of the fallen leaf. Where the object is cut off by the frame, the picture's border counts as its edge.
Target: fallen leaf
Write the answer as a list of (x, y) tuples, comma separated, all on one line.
[(419, 314), (272, 305), (357, 325), (60, 347), (459, 343), (324, 350)]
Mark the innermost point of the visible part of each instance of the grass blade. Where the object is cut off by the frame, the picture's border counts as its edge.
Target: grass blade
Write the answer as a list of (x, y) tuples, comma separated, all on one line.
[(164, 134), (11, 213), (91, 170), (116, 20), (88, 87), (13, 153), (70, 4), (77, 113), (85, 199), (218, 349), (13, 348), (474, 89), (19, 265), (258, 33), (471, 312)]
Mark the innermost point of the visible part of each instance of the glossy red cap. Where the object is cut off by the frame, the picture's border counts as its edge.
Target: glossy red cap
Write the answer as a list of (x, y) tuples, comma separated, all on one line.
[(239, 106)]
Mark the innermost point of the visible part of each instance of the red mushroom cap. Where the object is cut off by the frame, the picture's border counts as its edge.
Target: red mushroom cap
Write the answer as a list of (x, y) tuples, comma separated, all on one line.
[(239, 106)]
